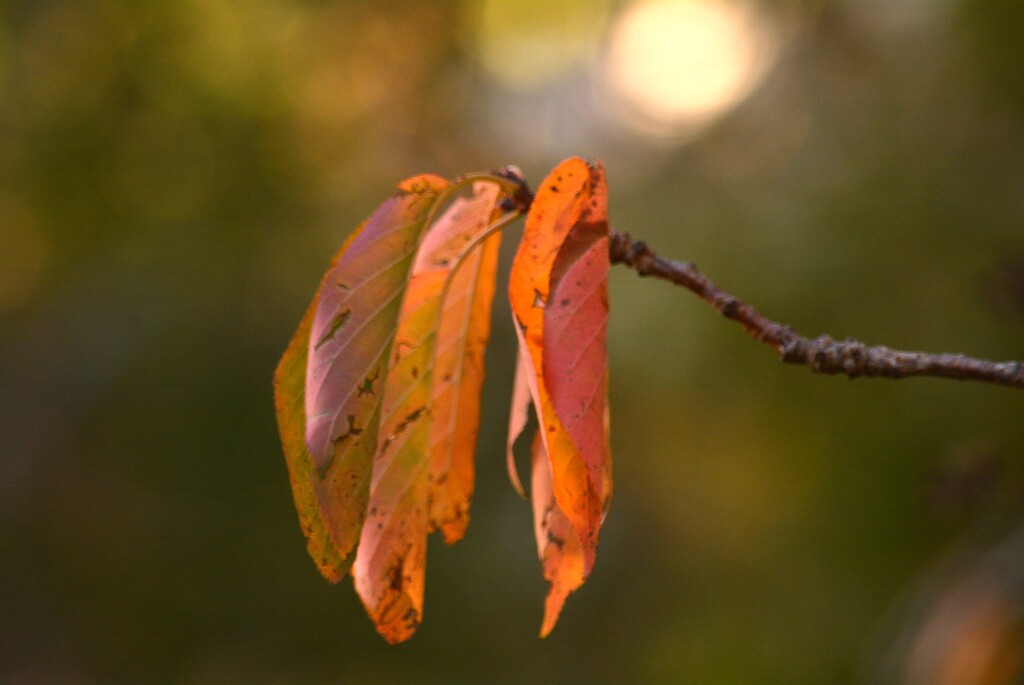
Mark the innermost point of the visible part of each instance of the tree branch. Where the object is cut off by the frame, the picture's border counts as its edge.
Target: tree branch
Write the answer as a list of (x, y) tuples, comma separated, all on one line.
[(822, 354)]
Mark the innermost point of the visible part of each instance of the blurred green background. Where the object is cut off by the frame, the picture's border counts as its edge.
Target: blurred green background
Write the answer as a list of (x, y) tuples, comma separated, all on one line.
[(174, 177)]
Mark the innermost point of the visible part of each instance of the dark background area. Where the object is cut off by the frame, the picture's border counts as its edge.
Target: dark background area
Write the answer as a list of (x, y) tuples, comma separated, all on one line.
[(174, 177)]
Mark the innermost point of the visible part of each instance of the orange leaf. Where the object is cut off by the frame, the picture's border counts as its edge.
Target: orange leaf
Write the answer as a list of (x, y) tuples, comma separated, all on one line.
[(458, 379), (423, 469), (558, 546), (558, 292)]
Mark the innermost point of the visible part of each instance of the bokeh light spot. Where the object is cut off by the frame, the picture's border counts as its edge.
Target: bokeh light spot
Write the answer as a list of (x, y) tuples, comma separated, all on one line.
[(673, 66)]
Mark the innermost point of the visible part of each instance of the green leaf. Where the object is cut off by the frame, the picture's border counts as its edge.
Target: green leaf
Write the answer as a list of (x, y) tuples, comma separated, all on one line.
[(328, 384)]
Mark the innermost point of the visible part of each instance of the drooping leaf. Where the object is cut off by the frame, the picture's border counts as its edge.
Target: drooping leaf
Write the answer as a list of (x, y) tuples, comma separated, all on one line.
[(458, 379), (423, 469), (289, 390), (327, 386), (558, 293), (519, 415), (575, 348), (558, 546)]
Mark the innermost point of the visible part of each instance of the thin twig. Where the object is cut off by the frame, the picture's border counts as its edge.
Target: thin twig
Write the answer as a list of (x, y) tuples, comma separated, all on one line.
[(822, 354)]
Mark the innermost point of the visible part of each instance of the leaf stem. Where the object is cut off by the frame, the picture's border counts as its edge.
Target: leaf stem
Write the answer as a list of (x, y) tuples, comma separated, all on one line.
[(497, 225)]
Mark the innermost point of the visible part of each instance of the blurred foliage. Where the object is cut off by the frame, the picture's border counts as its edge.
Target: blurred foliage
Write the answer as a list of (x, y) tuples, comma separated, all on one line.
[(175, 175)]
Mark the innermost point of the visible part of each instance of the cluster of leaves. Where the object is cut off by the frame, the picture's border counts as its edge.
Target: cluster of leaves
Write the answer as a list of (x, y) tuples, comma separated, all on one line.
[(378, 393)]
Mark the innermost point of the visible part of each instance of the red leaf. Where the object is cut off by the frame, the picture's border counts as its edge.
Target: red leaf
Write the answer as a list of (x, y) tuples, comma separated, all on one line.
[(558, 292)]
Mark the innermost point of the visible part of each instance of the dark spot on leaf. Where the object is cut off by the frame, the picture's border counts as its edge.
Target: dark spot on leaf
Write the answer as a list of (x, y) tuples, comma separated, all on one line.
[(412, 416), (565, 302), (332, 330), (366, 387), (353, 431), (553, 188), (447, 377), (415, 372)]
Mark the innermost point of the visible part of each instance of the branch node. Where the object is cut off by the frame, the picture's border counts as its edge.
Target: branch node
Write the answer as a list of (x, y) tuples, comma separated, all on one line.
[(640, 257), (618, 246), (523, 196), (728, 308)]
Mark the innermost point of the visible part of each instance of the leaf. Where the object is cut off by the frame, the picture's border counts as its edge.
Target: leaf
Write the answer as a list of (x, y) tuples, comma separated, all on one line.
[(558, 546), (423, 470), (327, 386), (559, 298), (289, 390), (518, 416), (458, 379)]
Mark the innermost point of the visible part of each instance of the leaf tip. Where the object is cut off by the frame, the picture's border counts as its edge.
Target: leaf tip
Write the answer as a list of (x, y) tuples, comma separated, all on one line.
[(395, 617), (552, 609), (331, 572), (454, 529)]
